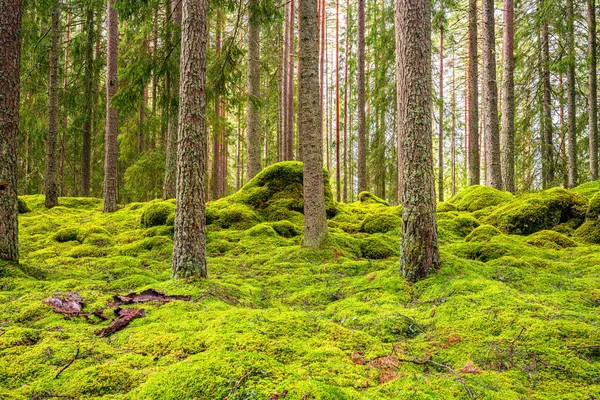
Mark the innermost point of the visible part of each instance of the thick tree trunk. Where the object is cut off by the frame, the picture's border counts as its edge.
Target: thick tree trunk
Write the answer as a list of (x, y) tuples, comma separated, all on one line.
[(474, 162), (253, 111), (189, 240), (88, 82), (493, 170), (309, 122), (508, 99), (51, 174), (419, 249), (112, 113), (592, 90), (10, 62), (362, 125), (441, 121), (571, 105)]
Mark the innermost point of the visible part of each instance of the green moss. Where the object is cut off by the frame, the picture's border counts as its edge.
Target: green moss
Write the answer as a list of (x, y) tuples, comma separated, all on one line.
[(380, 223), (482, 233), (588, 189), (477, 197), (550, 239), (218, 247), (370, 198), (23, 207), (589, 232), (261, 230), (378, 247), (286, 229), (593, 211), (157, 214), (443, 207), (66, 235), (461, 226)]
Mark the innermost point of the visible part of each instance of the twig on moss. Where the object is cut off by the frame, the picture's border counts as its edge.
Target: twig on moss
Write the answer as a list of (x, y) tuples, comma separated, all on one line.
[(511, 350), (564, 370), (238, 383), (68, 364)]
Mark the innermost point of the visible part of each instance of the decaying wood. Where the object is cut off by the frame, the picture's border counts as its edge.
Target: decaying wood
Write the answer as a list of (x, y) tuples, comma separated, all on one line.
[(149, 295), (70, 304), (124, 317)]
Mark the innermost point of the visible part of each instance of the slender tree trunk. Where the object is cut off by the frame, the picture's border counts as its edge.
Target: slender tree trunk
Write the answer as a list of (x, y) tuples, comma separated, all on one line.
[(345, 193), (474, 163), (155, 58), (338, 189), (253, 111), (309, 122), (284, 80), (65, 120), (441, 121), (238, 152), (189, 240), (571, 105), (362, 126), (508, 98), (289, 143), (548, 146), (593, 90), (10, 62), (51, 175), (88, 82), (493, 170), (216, 129), (418, 247), (453, 116), (563, 139)]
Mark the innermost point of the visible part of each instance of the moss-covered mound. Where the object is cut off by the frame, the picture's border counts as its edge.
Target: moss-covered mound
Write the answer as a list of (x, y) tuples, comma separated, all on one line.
[(550, 239), (482, 233), (370, 198), (23, 207), (157, 213), (477, 197), (380, 223)]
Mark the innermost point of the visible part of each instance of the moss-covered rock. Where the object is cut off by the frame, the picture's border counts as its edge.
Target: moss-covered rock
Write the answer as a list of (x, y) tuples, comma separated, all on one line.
[(380, 223), (550, 240), (482, 233), (66, 235), (443, 207), (461, 226), (286, 229), (370, 198), (23, 207), (478, 197), (589, 232), (157, 214), (378, 247), (593, 211), (227, 214)]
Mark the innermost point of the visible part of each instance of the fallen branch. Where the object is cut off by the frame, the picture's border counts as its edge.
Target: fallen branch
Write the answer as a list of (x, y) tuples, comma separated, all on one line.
[(124, 317), (565, 371), (149, 295), (71, 305), (238, 383), (68, 364)]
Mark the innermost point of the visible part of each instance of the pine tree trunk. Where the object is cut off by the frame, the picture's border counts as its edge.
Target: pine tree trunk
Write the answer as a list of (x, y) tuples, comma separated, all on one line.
[(547, 142), (345, 192), (309, 122), (289, 149), (88, 87), (112, 113), (441, 121), (216, 129), (189, 240), (362, 126), (253, 111), (51, 174), (593, 90), (493, 170), (154, 58), (508, 98), (474, 162), (571, 105), (10, 62), (419, 249), (453, 137), (338, 189)]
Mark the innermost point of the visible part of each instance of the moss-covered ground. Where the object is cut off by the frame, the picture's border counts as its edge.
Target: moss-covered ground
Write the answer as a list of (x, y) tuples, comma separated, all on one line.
[(513, 313)]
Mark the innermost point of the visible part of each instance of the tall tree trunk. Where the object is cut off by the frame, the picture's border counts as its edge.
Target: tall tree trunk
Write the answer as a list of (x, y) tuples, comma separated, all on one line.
[(453, 116), (155, 58), (173, 8), (189, 239), (51, 175), (65, 120), (548, 146), (508, 98), (322, 18), (493, 170), (338, 189), (571, 105), (284, 80), (309, 122), (216, 129), (253, 111), (112, 113), (10, 62), (362, 126), (345, 193), (593, 90), (441, 120), (88, 82), (419, 252), (289, 142), (474, 162)]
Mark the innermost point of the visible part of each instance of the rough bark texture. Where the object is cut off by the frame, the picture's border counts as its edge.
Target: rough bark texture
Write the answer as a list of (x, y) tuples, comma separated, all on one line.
[(253, 111), (441, 121), (10, 62), (508, 99), (592, 90), (548, 146), (419, 249), (362, 126), (345, 193), (338, 191), (289, 141), (309, 123), (112, 114), (88, 87), (571, 121), (473, 97), (173, 39), (493, 170), (189, 240), (51, 175)]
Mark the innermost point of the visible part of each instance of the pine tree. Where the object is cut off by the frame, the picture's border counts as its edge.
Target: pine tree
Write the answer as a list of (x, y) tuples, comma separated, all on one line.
[(548, 145), (51, 175), (362, 125), (253, 111), (508, 99), (88, 83), (473, 120), (592, 90), (571, 89)]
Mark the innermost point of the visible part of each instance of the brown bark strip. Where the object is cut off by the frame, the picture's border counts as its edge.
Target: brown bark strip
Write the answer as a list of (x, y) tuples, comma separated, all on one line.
[(124, 317), (149, 295)]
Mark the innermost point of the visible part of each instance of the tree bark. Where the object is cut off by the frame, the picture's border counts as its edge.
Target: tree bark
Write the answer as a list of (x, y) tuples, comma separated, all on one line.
[(253, 110), (309, 122), (112, 113), (215, 187), (51, 174), (547, 142), (508, 98), (419, 249), (362, 126), (189, 240), (88, 82), (592, 90), (10, 62), (345, 192), (474, 162), (441, 120), (453, 123), (338, 189), (571, 105)]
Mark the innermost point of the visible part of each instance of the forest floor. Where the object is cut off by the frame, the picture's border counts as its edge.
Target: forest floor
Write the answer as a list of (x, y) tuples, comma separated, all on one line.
[(513, 313)]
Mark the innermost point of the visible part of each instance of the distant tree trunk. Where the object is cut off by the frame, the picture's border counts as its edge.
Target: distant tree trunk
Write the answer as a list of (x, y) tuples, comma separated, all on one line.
[(189, 240), (173, 41), (216, 129), (88, 87), (473, 122), (441, 120), (309, 122), (10, 54), (238, 152), (548, 146), (563, 139), (362, 126), (284, 80), (253, 111), (508, 98), (593, 90), (418, 247), (453, 115), (155, 58), (345, 193), (51, 175), (493, 170), (338, 189), (289, 142), (322, 19), (65, 120), (571, 105)]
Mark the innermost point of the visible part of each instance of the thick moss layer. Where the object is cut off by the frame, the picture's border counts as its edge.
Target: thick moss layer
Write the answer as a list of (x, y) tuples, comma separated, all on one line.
[(477, 197)]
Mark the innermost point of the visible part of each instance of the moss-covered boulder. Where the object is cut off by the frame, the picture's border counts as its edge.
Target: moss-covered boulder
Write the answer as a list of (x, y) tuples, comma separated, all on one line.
[(378, 247), (286, 229), (538, 211), (228, 214), (478, 197), (380, 223), (443, 207), (23, 207), (550, 240), (483, 233), (370, 198), (589, 232), (157, 214), (461, 226), (593, 211), (66, 235)]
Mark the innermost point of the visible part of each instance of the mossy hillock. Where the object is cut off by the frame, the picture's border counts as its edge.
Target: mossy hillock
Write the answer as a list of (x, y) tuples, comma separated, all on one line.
[(513, 310)]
